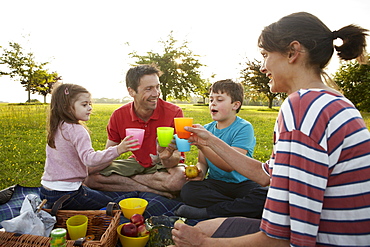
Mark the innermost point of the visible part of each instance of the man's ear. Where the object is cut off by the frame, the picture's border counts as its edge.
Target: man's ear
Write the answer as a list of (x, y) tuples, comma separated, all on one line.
[(131, 92), (295, 49)]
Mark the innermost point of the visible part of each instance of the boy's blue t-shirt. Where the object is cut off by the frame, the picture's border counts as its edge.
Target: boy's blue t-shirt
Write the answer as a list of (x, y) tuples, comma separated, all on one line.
[(239, 134)]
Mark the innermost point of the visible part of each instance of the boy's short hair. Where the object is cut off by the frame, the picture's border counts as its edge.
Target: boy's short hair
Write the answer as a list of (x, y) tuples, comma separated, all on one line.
[(234, 89)]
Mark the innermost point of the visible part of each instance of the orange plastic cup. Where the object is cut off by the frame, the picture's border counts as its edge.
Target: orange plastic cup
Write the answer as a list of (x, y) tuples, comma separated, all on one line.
[(180, 123)]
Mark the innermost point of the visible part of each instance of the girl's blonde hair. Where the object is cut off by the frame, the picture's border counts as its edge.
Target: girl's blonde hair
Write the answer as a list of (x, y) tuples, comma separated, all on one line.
[(63, 98)]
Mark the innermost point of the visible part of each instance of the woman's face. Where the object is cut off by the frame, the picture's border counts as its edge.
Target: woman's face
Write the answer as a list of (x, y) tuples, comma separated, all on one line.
[(275, 67)]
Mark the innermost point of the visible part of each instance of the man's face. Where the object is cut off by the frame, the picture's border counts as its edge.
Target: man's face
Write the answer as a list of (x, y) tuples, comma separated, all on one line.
[(147, 93)]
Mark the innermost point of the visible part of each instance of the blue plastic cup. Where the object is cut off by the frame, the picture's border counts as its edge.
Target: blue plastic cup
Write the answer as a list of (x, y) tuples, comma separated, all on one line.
[(183, 145)]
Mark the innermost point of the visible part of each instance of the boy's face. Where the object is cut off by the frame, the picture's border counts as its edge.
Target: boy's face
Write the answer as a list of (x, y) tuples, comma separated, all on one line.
[(221, 107)]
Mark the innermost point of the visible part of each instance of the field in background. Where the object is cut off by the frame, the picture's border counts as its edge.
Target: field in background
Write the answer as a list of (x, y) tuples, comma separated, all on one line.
[(23, 137)]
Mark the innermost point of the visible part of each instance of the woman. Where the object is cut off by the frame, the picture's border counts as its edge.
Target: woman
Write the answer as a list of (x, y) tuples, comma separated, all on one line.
[(319, 170)]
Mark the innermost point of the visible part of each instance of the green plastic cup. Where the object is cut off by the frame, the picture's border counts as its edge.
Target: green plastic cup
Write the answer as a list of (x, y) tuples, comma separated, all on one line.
[(164, 135)]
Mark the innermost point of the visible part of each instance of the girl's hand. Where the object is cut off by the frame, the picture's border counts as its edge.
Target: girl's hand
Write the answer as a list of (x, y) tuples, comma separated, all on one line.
[(128, 145)]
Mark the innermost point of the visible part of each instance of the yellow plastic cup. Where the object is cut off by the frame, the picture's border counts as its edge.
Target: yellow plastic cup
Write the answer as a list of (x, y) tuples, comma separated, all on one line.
[(164, 135), (131, 206), (131, 241), (180, 123), (77, 226)]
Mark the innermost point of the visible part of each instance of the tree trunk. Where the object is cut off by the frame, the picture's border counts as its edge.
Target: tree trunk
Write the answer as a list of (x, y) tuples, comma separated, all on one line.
[(29, 96), (270, 103)]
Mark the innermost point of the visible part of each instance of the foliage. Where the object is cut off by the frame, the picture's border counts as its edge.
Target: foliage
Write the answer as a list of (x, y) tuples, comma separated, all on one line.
[(23, 68), (45, 82), (203, 91), (256, 82), (180, 67), (23, 136), (354, 80)]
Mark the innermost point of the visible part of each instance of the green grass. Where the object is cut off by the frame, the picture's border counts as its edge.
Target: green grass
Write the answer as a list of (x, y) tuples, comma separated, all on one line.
[(23, 137)]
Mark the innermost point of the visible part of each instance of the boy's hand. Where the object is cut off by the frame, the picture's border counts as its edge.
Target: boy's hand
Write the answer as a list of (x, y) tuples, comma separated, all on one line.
[(199, 177)]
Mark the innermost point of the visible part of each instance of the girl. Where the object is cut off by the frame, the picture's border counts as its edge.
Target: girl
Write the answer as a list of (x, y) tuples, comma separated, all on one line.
[(69, 151), (319, 171)]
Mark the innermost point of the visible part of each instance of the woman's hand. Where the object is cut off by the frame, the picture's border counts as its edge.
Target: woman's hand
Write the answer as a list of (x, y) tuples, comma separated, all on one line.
[(200, 135), (184, 235)]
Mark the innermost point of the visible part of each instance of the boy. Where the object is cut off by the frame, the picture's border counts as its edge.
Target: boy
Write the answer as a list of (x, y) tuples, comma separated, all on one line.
[(224, 191)]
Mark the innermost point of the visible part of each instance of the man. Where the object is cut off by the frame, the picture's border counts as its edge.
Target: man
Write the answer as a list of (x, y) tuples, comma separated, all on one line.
[(151, 168)]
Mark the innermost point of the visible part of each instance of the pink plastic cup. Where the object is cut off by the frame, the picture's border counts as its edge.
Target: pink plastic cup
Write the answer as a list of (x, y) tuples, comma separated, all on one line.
[(137, 133)]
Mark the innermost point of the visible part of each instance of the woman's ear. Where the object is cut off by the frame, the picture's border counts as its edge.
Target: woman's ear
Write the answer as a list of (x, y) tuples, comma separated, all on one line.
[(295, 50)]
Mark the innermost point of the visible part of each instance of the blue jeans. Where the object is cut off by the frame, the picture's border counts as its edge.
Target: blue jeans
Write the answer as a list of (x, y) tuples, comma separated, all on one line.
[(84, 198)]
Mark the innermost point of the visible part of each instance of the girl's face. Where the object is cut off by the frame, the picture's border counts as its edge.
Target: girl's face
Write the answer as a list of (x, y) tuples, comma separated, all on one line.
[(274, 66), (82, 107), (221, 107)]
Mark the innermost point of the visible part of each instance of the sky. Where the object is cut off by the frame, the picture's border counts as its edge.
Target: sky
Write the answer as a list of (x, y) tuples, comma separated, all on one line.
[(87, 42)]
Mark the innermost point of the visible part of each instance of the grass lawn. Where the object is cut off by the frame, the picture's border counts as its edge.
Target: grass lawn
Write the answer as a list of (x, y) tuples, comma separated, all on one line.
[(23, 137)]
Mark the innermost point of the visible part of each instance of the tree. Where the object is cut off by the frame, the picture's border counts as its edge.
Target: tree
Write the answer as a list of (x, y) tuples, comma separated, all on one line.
[(256, 82), (21, 66), (45, 82), (180, 67), (203, 90), (354, 80)]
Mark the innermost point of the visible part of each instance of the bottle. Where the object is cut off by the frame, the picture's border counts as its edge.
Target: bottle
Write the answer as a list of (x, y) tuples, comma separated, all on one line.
[(58, 237)]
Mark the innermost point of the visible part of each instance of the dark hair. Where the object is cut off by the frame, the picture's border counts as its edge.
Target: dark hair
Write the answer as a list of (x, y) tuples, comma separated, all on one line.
[(134, 74), (315, 36), (234, 89), (62, 102)]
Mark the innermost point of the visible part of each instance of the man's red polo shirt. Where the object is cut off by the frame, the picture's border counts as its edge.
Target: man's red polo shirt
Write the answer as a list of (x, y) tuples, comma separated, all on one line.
[(125, 117)]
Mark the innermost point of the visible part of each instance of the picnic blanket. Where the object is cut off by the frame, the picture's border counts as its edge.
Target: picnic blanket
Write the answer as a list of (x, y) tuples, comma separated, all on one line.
[(157, 205), (11, 208)]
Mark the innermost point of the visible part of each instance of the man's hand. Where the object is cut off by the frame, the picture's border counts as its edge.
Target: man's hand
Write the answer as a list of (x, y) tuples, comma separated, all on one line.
[(165, 153), (168, 156)]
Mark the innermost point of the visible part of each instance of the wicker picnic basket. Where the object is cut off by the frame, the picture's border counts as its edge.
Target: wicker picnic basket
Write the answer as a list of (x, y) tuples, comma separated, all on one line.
[(102, 226)]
